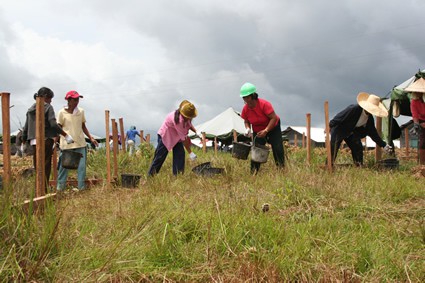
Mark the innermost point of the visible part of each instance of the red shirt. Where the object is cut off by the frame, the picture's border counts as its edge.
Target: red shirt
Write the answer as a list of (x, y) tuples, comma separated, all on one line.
[(417, 107), (257, 116)]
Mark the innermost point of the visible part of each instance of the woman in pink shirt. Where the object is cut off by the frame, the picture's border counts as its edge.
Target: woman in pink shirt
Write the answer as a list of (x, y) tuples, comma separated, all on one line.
[(417, 107), (172, 136), (259, 114)]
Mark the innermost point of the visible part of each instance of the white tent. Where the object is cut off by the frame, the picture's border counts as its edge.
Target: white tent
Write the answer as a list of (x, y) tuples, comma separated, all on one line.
[(222, 125)]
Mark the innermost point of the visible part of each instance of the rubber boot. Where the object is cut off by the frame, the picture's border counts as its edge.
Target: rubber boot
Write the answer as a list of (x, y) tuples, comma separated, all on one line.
[(422, 156)]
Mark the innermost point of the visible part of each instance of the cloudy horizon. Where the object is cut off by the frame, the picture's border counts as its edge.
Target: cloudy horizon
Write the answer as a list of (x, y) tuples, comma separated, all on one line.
[(139, 59)]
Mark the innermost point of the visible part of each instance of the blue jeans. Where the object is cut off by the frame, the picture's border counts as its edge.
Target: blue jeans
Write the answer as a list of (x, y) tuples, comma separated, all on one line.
[(161, 153), (81, 171)]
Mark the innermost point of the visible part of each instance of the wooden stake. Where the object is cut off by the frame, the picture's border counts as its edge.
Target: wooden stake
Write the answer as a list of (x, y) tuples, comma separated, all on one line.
[(108, 149), (327, 138), (204, 142), (308, 138), (235, 136), (5, 113), (296, 139), (148, 138), (142, 138), (40, 179), (55, 166), (406, 141), (122, 134), (303, 141), (115, 147), (215, 146)]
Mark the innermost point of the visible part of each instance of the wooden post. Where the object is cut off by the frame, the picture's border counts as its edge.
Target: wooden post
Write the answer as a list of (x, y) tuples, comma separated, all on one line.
[(204, 142), (115, 147), (142, 138), (378, 151), (40, 178), (122, 134), (55, 167), (215, 146), (303, 141), (327, 138), (406, 141), (295, 139), (235, 136), (148, 138), (308, 138), (5, 114), (108, 149)]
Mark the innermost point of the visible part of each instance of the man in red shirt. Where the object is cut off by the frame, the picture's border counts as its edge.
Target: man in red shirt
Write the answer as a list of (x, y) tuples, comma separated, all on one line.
[(259, 114)]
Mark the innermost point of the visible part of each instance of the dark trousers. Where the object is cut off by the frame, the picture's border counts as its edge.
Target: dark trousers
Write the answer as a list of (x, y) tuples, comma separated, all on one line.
[(161, 153), (353, 142), (48, 152), (274, 138)]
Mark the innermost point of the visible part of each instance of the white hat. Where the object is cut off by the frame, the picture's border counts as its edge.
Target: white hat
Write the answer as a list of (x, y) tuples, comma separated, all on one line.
[(417, 86), (372, 104)]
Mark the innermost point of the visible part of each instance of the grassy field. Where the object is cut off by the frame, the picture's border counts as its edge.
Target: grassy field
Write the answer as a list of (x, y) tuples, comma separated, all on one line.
[(354, 225)]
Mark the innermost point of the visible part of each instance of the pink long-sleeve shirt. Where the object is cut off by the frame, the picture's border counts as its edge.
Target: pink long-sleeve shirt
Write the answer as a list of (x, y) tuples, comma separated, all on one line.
[(171, 133)]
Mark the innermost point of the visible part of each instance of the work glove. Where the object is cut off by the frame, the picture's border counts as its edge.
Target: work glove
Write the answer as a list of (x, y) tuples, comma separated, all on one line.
[(389, 149), (69, 139), (247, 132), (192, 156), (415, 129)]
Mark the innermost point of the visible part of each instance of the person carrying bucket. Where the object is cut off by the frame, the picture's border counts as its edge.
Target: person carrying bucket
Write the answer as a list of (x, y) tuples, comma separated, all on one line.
[(51, 130), (73, 121), (173, 136), (259, 114)]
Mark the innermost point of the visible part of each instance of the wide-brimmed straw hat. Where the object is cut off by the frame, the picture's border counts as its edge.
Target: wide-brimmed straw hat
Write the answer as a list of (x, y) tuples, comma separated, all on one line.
[(417, 86), (372, 104), (188, 110)]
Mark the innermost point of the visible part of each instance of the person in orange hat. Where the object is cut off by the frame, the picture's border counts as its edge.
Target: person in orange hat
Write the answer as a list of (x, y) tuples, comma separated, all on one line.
[(172, 135), (356, 122), (72, 119)]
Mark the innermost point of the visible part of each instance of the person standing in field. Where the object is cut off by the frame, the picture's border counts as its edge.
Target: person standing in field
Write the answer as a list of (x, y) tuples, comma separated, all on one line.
[(356, 122), (51, 130), (417, 107), (172, 136), (259, 114), (73, 121), (130, 138)]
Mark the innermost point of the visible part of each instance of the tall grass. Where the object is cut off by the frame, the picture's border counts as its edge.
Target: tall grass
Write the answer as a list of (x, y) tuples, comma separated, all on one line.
[(356, 224)]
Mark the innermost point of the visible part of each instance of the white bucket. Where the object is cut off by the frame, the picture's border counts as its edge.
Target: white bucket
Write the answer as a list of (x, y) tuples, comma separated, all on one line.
[(259, 153)]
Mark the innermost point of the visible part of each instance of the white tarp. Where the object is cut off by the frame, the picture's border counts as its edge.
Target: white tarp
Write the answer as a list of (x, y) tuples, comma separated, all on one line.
[(316, 134), (222, 124)]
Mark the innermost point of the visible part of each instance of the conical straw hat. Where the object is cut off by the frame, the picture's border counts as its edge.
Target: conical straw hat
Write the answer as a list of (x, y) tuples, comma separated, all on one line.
[(372, 104), (417, 86)]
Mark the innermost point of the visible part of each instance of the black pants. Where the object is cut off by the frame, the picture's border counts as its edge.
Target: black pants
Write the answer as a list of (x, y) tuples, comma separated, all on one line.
[(161, 153), (48, 152), (353, 142), (274, 138)]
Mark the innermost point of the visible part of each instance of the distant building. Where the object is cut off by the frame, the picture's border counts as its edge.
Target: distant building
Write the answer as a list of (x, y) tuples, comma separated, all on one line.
[(413, 139), (317, 136)]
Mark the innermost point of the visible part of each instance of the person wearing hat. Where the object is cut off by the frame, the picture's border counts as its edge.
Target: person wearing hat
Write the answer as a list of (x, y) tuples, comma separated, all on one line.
[(356, 122), (72, 119), (417, 107), (130, 138), (259, 114), (172, 135), (51, 130)]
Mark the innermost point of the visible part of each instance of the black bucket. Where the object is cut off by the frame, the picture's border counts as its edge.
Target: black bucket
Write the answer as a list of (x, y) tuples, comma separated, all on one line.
[(70, 159), (389, 163), (130, 180), (205, 169), (240, 150)]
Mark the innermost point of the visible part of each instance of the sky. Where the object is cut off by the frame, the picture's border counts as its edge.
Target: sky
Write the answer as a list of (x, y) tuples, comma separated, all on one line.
[(140, 59)]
